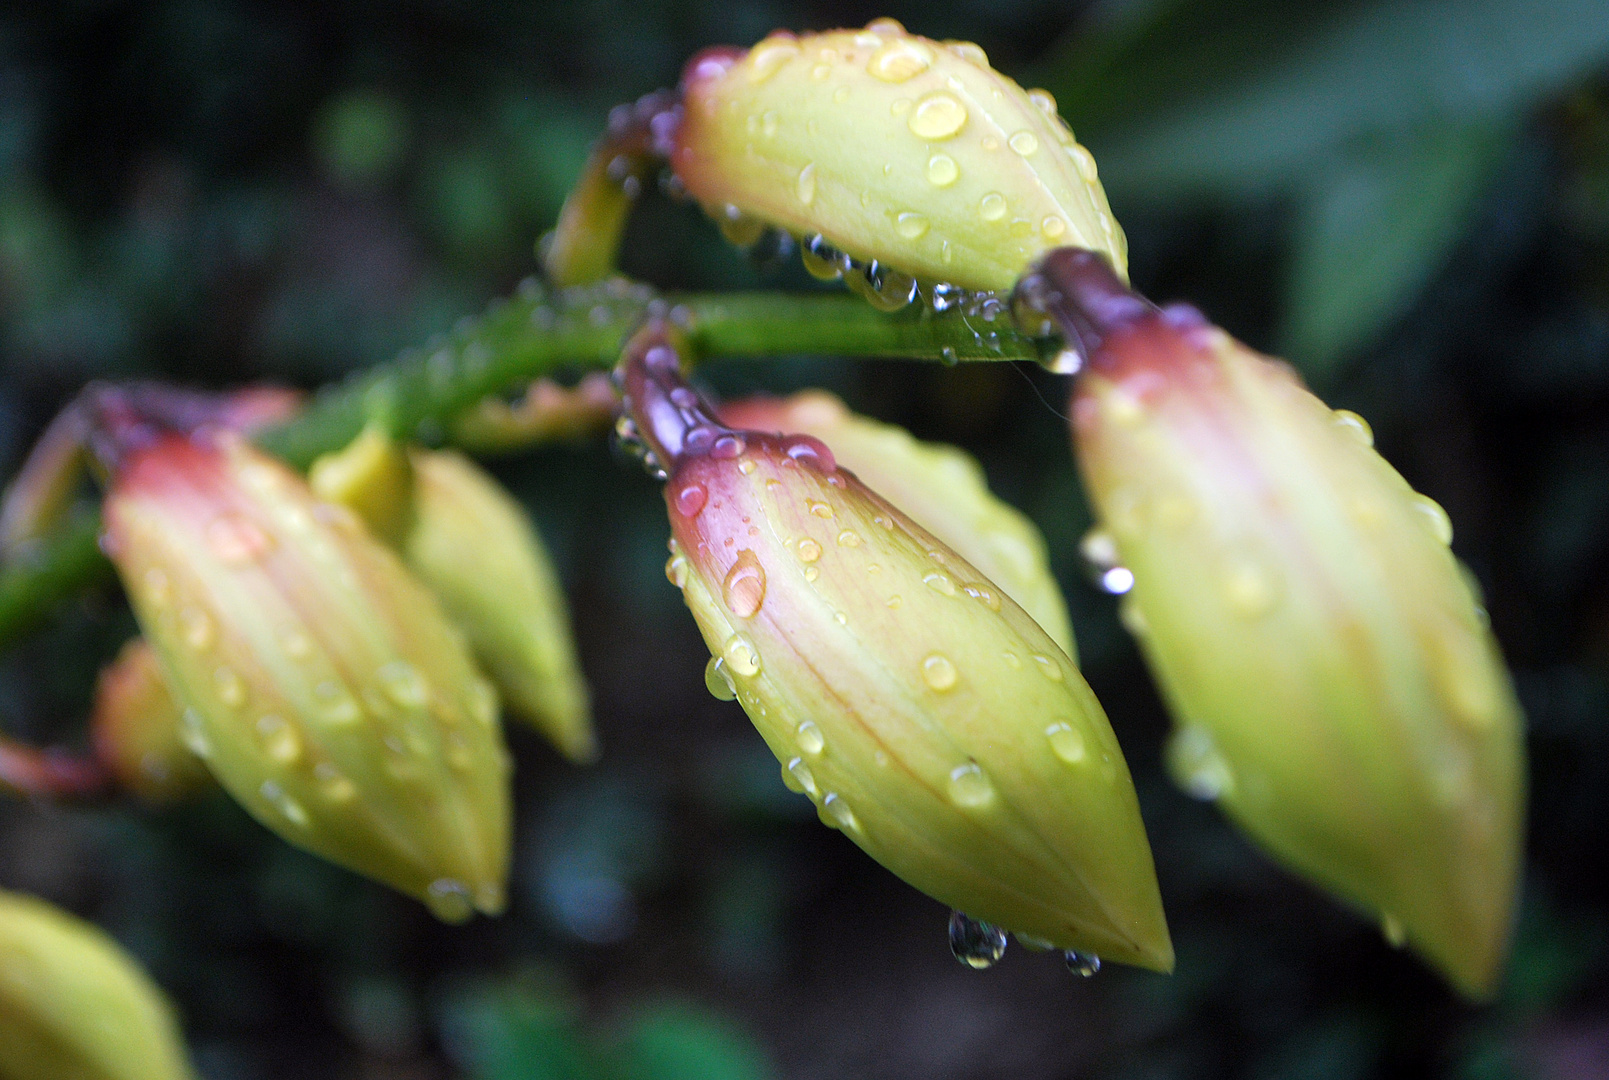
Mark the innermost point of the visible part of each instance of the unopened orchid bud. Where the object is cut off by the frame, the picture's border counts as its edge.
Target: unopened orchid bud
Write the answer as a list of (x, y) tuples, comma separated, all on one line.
[(479, 551), (891, 148), (74, 1004), (938, 485), (926, 715), (1334, 682), (325, 688), (136, 732)]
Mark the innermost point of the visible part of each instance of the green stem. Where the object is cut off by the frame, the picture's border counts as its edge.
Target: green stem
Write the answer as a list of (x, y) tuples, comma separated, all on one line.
[(537, 333)]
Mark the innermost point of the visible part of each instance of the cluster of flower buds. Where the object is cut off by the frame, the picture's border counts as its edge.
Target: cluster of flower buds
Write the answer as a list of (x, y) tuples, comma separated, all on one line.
[(320, 681), (73, 1004), (929, 718), (435, 506), (1336, 688)]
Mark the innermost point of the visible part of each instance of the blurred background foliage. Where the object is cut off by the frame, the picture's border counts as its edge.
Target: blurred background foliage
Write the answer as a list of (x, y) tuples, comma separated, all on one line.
[(1409, 199)]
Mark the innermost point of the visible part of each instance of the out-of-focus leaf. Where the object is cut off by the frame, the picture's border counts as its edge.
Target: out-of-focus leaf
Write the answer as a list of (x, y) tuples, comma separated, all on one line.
[(1374, 228), (517, 1031), (677, 1042), (1232, 99)]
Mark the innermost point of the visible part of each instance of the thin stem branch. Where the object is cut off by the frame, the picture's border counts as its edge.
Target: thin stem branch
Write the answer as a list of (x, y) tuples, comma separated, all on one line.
[(538, 332)]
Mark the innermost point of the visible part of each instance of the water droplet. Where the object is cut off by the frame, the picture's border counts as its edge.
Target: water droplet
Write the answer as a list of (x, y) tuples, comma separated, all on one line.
[(811, 573), (1043, 101), (992, 207), (1395, 933), (911, 225), (741, 656), (983, 595), (822, 261), (806, 187), (811, 741), (727, 447), (972, 54), (334, 787), (193, 735), (766, 58), (838, 814), (1048, 667), (690, 500), (1081, 963), (1355, 426), (1052, 226), (1024, 143), (335, 705), (821, 72), (195, 626), (231, 687), (798, 777), (676, 570), (403, 684), (942, 170), (449, 900), (236, 540), (809, 550), (158, 590), (717, 681), (894, 601), (849, 538), (939, 673), (747, 466), (1196, 765), (1434, 517), (1013, 661), (969, 787), (281, 741), (883, 287), (739, 229), (937, 116), (744, 587), (975, 943), (939, 583), (899, 60), (840, 95), (1066, 742), (819, 508), (1248, 588)]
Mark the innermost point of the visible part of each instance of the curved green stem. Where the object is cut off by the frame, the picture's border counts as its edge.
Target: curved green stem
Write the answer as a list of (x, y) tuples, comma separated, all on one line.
[(537, 332)]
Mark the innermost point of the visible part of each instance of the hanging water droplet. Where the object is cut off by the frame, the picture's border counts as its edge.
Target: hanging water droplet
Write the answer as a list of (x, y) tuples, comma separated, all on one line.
[(937, 116), (449, 900), (883, 287), (1433, 517), (969, 787), (403, 684), (1066, 742), (1081, 963), (942, 296), (939, 673), (811, 741), (821, 260), (798, 778), (741, 656), (1355, 426), (948, 356), (676, 570), (837, 813), (1196, 765), (806, 187), (744, 587), (717, 681), (975, 943), (1046, 104)]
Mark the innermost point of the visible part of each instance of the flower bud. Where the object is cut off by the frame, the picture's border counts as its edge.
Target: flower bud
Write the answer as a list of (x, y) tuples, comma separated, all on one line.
[(893, 148), (1334, 682), (135, 729), (938, 485), (439, 505), (926, 715), (74, 1004), (326, 689), (507, 597)]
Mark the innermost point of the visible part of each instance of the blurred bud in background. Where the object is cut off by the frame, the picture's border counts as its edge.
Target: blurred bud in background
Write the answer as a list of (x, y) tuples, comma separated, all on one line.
[(75, 1006), (326, 689), (1333, 679), (941, 487), (135, 729), (478, 551)]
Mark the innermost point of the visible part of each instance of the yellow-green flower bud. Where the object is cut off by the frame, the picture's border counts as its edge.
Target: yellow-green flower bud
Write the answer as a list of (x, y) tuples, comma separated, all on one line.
[(75, 1006), (135, 729), (1334, 682), (894, 148), (371, 477), (938, 485), (326, 689), (925, 714), (478, 550)]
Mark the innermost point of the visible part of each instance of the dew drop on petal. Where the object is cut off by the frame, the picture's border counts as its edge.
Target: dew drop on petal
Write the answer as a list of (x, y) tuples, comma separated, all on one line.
[(717, 681), (1024, 143), (676, 570), (690, 500), (937, 116), (741, 656), (798, 778), (744, 587), (811, 741), (942, 170), (806, 186), (939, 583), (819, 508), (1433, 517), (809, 550), (770, 55), (849, 538), (1047, 666), (911, 225), (231, 687), (975, 943), (992, 207), (900, 60), (939, 673), (969, 787), (1066, 742), (1354, 426), (195, 626), (403, 684)]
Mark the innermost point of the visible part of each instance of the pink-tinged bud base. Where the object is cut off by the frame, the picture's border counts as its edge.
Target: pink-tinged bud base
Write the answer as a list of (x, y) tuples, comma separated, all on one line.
[(1335, 685)]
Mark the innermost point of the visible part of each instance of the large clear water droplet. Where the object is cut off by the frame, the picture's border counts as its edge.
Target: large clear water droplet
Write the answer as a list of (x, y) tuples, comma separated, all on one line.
[(744, 587), (975, 943), (717, 681), (969, 787), (741, 656), (1082, 963), (937, 116)]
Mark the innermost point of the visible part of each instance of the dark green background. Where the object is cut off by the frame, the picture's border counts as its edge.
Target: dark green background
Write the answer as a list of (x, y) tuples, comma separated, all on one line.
[(1411, 200)]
